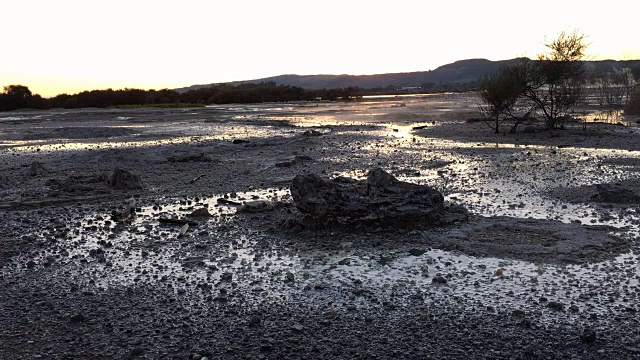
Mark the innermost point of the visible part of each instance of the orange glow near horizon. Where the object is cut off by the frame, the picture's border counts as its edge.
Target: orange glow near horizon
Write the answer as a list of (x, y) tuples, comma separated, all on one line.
[(68, 46)]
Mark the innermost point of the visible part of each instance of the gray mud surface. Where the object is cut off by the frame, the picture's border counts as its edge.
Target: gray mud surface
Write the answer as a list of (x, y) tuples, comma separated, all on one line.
[(542, 269)]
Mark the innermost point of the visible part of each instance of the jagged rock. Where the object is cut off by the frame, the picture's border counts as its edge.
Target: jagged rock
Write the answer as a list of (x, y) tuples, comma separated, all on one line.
[(615, 193), (124, 180), (381, 197)]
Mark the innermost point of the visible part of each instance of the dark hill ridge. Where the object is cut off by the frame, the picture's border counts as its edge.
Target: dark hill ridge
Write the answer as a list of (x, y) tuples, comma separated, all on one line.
[(459, 72)]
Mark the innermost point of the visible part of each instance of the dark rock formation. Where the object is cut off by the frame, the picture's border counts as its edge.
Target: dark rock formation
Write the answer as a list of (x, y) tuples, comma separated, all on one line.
[(379, 198)]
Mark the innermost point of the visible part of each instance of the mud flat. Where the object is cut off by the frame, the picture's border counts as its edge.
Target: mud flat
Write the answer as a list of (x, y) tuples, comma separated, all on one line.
[(195, 247)]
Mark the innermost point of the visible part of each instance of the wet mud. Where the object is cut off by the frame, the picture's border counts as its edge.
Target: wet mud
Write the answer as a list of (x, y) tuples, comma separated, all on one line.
[(543, 268)]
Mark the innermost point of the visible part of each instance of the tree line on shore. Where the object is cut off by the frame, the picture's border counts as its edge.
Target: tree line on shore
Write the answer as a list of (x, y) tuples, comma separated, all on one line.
[(20, 97)]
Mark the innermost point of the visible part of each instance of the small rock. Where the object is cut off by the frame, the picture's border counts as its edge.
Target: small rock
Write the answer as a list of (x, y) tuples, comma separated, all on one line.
[(257, 206), (286, 163), (202, 212), (438, 279), (384, 260), (312, 133), (588, 336), (301, 158), (77, 318), (294, 160), (289, 277), (417, 252), (555, 305)]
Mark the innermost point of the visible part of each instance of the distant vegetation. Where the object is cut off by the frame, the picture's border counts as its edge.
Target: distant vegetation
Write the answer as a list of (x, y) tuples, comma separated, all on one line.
[(608, 83), (551, 87), (19, 96)]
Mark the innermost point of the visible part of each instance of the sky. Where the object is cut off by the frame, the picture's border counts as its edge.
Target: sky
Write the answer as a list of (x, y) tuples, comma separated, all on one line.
[(67, 46)]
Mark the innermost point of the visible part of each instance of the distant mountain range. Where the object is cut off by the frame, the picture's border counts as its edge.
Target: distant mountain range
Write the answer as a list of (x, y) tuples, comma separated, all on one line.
[(459, 72)]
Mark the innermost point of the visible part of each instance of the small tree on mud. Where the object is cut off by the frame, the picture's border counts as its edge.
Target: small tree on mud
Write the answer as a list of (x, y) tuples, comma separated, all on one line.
[(499, 94), (554, 81)]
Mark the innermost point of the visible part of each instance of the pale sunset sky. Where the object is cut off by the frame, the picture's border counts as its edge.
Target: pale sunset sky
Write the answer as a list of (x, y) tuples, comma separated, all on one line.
[(57, 46)]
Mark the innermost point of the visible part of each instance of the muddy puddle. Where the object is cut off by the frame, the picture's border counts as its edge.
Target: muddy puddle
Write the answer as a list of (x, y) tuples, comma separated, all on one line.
[(141, 136), (220, 258)]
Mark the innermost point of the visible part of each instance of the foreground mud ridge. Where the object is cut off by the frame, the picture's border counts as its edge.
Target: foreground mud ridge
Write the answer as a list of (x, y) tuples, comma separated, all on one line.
[(374, 229)]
